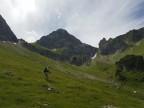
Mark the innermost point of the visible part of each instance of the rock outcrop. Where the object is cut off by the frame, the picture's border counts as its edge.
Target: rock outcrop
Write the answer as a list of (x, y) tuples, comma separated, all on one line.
[(120, 43), (130, 67)]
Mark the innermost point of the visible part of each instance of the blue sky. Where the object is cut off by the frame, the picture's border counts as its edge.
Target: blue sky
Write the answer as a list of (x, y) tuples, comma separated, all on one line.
[(88, 20)]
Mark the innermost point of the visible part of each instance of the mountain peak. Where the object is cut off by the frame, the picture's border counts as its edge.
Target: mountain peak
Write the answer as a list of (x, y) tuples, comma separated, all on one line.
[(61, 30), (67, 47), (0, 16), (60, 33), (58, 39)]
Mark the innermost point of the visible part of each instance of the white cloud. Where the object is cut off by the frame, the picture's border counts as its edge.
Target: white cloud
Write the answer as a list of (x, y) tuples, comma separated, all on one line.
[(88, 20), (31, 35)]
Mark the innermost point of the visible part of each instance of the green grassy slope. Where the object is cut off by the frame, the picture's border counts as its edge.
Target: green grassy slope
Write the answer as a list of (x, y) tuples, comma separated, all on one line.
[(137, 49), (56, 51), (79, 87)]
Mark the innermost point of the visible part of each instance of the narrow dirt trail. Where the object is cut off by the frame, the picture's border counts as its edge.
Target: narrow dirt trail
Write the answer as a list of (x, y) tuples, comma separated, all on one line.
[(83, 75)]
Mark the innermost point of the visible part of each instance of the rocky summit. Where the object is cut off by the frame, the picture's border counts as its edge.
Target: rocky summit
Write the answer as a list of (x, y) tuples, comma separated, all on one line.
[(120, 43), (59, 39), (6, 33)]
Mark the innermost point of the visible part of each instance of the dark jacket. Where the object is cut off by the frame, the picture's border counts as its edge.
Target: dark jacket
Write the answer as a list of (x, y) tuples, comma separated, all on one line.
[(46, 70)]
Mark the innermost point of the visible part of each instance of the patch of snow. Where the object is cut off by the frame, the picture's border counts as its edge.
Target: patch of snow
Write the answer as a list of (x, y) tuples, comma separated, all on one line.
[(54, 49), (4, 41), (94, 56), (15, 43)]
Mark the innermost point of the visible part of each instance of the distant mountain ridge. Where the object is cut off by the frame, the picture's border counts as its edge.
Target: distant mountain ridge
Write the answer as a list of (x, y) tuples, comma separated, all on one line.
[(120, 43), (6, 33), (60, 45)]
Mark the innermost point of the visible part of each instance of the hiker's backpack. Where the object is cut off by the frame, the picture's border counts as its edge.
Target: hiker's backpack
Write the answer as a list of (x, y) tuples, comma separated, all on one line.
[(46, 69)]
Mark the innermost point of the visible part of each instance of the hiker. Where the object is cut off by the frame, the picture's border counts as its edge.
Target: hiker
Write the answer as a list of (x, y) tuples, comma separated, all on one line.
[(46, 71)]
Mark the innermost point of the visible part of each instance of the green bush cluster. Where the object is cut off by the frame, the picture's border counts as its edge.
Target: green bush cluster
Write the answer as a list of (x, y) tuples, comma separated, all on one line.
[(128, 65)]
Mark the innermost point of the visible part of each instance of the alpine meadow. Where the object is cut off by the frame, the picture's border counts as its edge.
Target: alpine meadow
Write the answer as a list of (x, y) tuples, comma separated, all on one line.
[(78, 75)]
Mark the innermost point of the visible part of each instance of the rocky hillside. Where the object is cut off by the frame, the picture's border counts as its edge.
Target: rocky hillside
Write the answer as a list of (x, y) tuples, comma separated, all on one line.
[(67, 46), (120, 43), (6, 33)]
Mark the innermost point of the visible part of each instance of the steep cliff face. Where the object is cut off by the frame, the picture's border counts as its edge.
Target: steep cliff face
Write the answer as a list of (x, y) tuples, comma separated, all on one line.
[(120, 43), (6, 33), (111, 46)]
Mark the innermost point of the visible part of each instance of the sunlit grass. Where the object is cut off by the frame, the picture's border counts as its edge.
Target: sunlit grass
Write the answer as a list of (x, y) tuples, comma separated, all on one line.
[(26, 87)]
